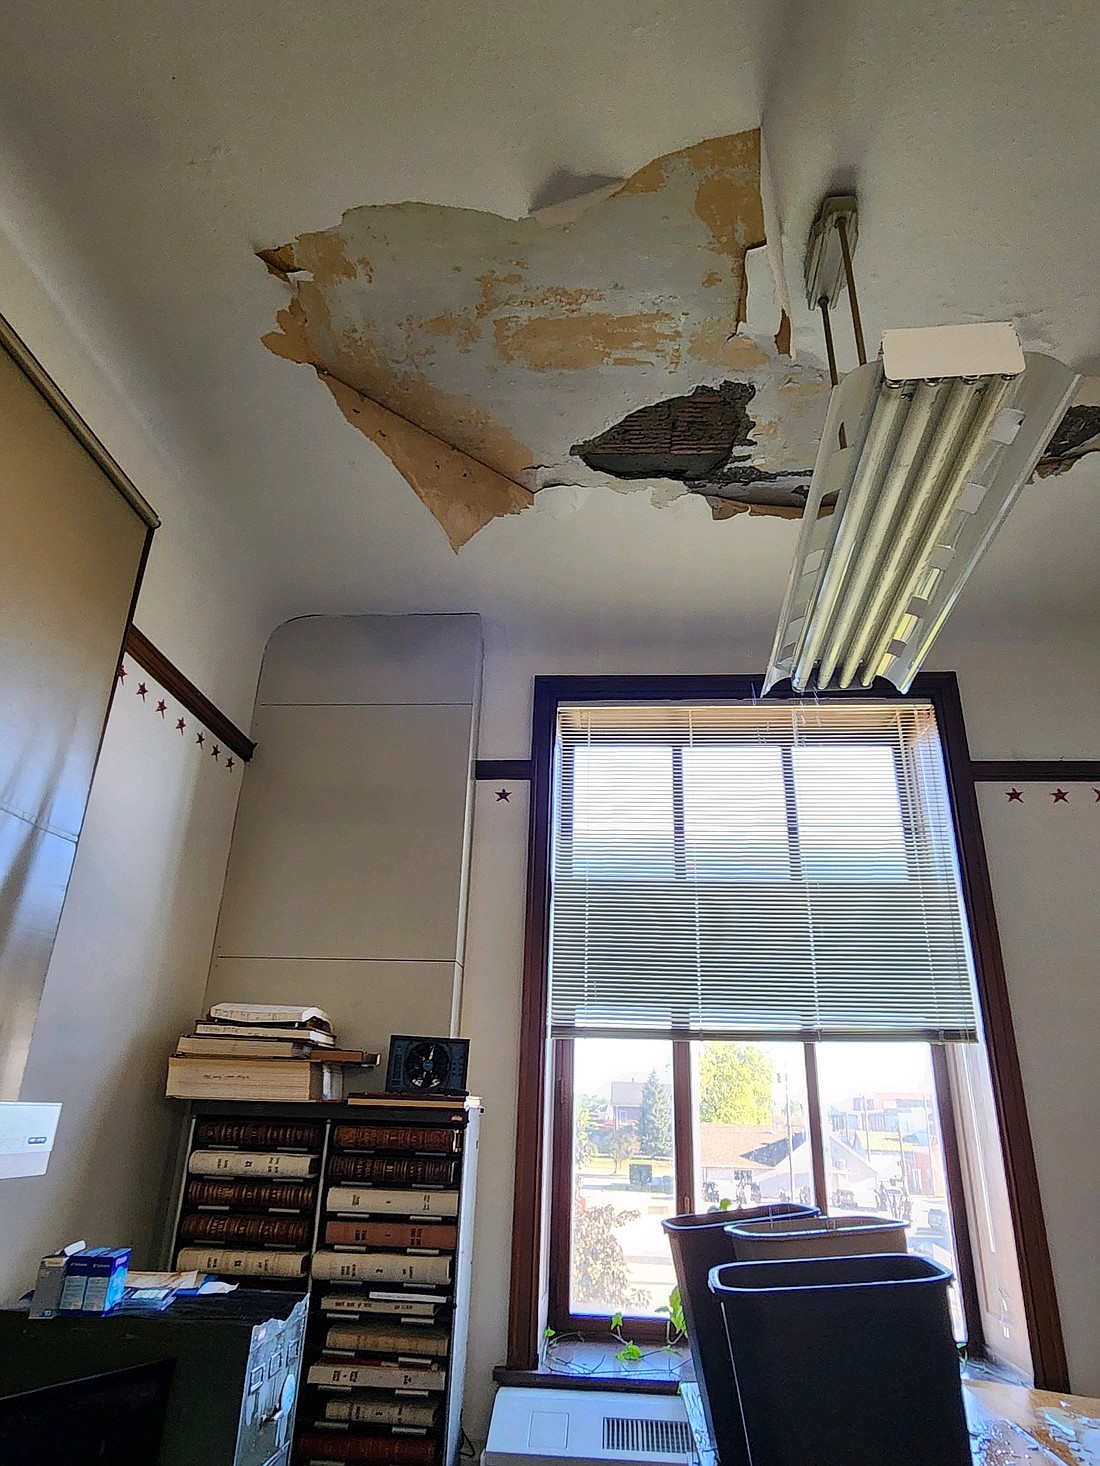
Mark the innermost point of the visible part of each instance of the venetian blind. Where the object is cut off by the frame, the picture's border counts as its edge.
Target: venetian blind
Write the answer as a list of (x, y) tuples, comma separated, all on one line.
[(762, 869)]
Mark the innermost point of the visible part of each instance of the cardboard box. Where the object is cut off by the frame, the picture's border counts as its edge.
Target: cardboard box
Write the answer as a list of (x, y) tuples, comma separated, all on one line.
[(51, 1281)]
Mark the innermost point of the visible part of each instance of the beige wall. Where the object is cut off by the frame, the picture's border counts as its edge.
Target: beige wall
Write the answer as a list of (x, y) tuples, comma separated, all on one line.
[(347, 880), (1020, 701), (133, 947)]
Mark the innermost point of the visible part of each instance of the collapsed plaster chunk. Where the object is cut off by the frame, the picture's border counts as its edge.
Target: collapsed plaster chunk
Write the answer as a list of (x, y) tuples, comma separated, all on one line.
[(683, 438), (1075, 436), (506, 340), (463, 494)]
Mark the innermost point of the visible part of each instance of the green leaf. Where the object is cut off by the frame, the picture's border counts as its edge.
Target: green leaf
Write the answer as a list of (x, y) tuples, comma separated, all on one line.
[(725, 1204), (616, 1323), (549, 1334), (630, 1351)]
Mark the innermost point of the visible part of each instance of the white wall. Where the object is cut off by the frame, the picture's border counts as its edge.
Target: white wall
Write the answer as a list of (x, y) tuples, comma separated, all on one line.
[(133, 948), (1020, 701)]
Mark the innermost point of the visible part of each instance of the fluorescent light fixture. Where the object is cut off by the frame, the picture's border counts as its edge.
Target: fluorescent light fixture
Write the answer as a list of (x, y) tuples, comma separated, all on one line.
[(942, 433)]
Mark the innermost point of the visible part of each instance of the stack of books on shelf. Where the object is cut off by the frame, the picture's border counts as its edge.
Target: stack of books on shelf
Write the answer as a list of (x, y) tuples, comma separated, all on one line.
[(249, 1200), (385, 1272), (262, 1051)]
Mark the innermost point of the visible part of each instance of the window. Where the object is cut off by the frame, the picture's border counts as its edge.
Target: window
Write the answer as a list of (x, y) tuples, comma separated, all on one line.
[(757, 954), (640, 1136), (776, 870), (769, 925)]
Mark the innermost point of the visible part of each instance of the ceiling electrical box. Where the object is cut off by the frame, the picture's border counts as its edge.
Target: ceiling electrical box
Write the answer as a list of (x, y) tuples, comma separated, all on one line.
[(825, 278)]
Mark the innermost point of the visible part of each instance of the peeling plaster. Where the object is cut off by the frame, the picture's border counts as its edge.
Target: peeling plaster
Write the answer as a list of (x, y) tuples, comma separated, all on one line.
[(489, 345)]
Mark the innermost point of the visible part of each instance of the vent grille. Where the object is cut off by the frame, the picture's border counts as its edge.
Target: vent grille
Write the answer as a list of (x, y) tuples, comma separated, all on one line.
[(649, 1437)]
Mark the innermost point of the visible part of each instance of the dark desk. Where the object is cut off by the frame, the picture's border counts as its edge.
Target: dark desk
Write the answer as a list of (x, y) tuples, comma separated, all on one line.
[(237, 1360)]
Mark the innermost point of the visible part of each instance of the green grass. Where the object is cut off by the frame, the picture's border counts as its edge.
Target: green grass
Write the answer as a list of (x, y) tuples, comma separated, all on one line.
[(602, 1168)]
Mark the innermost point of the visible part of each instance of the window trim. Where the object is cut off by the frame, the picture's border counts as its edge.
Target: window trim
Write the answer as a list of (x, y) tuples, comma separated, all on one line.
[(532, 1120)]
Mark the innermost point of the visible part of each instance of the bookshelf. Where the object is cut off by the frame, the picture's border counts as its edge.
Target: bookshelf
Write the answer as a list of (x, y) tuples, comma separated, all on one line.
[(369, 1208)]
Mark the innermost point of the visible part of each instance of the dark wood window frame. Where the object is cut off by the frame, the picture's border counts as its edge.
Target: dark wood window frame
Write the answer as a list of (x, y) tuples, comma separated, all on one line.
[(939, 688)]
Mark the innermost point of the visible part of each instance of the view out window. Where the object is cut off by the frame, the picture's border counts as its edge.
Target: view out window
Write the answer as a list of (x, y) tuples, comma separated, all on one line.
[(758, 957)]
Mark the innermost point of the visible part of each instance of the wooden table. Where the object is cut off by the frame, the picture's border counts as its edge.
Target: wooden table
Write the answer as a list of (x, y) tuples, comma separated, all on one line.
[(1009, 1426)]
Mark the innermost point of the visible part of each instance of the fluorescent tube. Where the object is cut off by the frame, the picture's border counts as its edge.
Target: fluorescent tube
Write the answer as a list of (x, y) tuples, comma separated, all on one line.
[(934, 465)]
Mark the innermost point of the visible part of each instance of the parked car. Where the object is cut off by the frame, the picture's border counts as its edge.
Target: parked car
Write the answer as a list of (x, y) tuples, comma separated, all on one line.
[(938, 1220)]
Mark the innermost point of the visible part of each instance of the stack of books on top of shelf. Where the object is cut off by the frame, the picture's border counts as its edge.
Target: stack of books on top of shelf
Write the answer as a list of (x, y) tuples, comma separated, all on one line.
[(262, 1051)]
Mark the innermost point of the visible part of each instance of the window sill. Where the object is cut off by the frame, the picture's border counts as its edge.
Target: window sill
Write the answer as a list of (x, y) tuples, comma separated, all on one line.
[(591, 1365)]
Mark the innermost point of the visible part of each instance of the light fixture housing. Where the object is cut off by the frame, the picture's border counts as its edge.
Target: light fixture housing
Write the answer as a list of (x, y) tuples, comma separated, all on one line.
[(941, 434)]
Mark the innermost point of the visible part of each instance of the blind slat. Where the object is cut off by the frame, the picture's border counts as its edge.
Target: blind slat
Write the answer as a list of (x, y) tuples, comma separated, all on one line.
[(775, 870)]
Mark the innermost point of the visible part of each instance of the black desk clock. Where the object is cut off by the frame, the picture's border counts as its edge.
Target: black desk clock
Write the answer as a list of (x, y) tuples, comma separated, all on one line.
[(427, 1066)]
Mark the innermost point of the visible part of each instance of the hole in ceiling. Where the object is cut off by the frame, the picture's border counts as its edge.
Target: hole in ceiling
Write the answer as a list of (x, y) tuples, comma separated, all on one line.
[(704, 440), (684, 438), (1075, 436)]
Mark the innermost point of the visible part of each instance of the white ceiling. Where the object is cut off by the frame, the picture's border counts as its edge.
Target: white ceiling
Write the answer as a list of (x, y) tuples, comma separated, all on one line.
[(147, 149)]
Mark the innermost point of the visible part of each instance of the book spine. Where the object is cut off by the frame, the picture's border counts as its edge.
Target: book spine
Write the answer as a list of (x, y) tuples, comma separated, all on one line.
[(380, 1339), (251, 1194), (390, 1234), (249, 1264), (376, 1376), (250, 1163), (386, 1267), (265, 1134), (393, 1450), (379, 1410), (254, 1013), (355, 1303), (216, 1227), (243, 1048), (391, 1170), (400, 1203), (248, 1079), (396, 1137)]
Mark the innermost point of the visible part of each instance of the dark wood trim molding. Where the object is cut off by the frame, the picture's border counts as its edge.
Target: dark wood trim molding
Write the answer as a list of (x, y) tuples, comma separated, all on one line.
[(1025, 1198), (815, 1126), (146, 655), (683, 1140), (561, 1190), (616, 1384), (523, 1320), (518, 769), (1035, 771), (956, 1191)]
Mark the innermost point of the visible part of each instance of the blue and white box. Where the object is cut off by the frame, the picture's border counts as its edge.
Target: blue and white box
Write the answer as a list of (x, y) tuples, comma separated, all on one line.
[(106, 1278)]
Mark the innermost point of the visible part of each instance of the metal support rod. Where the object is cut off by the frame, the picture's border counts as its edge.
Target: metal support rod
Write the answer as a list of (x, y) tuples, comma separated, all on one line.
[(849, 275), (830, 351)]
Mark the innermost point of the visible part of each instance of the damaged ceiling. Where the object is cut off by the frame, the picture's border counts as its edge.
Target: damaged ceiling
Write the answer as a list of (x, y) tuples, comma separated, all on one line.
[(489, 358), (492, 357)]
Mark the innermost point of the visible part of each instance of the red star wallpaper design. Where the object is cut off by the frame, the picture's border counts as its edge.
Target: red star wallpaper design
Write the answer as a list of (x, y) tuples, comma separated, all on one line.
[(161, 707)]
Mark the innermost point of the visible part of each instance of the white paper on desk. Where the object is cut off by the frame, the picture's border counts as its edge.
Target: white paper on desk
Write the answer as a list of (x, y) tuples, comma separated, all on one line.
[(215, 1285), (163, 1280)]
